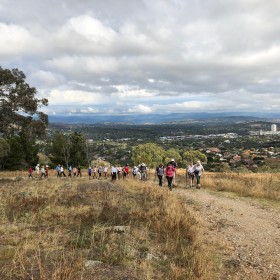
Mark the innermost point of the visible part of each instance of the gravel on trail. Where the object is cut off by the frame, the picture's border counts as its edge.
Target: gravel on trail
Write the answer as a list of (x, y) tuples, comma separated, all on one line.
[(245, 232)]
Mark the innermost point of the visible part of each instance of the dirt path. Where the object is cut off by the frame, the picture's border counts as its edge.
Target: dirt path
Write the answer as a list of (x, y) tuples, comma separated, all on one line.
[(245, 231)]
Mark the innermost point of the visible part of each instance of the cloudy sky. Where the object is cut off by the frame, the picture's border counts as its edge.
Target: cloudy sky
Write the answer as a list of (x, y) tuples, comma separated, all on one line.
[(146, 56)]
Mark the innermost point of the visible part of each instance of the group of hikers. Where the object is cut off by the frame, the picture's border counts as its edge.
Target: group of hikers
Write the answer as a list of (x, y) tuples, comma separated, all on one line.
[(41, 171), (193, 171)]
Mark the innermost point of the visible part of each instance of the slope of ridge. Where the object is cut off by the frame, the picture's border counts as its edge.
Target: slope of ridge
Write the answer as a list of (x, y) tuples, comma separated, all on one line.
[(245, 231)]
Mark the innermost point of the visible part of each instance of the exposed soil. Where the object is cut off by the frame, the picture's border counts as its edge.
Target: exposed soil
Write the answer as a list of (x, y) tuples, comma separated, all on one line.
[(245, 231)]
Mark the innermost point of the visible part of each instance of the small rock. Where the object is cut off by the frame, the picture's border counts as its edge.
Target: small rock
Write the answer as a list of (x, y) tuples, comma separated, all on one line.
[(18, 179), (92, 263), (119, 229), (150, 257)]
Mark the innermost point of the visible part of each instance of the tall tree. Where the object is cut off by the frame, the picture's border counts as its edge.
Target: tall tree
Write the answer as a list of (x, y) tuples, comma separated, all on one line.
[(19, 108), (67, 148), (173, 153), (4, 151), (194, 155), (150, 154)]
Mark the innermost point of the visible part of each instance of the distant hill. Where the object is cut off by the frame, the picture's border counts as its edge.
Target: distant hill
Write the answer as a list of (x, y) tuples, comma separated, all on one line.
[(230, 117)]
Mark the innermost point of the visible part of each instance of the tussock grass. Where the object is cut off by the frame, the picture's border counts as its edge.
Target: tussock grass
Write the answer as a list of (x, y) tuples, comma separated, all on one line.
[(50, 228), (245, 184)]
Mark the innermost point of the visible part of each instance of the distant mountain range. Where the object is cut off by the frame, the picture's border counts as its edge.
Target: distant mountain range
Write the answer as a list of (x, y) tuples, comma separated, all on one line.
[(229, 117)]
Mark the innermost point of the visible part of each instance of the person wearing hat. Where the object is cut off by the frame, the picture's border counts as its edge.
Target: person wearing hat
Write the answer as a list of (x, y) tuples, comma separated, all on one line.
[(143, 171), (47, 171), (173, 163)]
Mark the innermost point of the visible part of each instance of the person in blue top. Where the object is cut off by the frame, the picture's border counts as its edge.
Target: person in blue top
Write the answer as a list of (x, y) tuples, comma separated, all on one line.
[(160, 173), (89, 172)]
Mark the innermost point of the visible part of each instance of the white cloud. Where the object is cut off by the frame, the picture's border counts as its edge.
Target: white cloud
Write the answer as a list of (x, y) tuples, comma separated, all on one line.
[(78, 66), (124, 91), (76, 98), (46, 78), (85, 34), (146, 56), (89, 110), (16, 40), (140, 109)]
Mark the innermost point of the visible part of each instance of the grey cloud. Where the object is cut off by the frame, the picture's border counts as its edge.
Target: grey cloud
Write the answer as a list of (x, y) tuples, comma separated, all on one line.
[(190, 49)]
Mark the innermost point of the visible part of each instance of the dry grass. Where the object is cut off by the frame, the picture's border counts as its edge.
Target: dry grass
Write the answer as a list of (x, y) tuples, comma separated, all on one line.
[(50, 228), (252, 185), (256, 185)]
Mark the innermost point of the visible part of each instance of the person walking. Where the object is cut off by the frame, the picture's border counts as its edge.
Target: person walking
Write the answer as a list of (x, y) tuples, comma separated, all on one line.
[(160, 173), (114, 172), (37, 169), (30, 171), (125, 171), (134, 171), (62, 171), (47, 171), (100, 170), (105, 171), (70, 170), (95, 172), (75, 171), (119, 172), (198, 170), (58, 174), (79, 171), (89, 172), (190, 175), (42, 171), (143, 171), (170, 171), (174, 164)]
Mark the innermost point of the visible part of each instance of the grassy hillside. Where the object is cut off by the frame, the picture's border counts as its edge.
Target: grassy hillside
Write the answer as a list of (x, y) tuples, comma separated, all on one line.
[(90, 229), (256, 185), (95, 229)]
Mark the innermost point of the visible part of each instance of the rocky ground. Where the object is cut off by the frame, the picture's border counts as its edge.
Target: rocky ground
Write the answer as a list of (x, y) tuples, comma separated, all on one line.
[(245, 231)]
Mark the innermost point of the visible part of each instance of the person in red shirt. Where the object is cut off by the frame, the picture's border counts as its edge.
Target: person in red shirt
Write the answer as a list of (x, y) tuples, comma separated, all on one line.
[(47, 171), (125, 171), (30, 171), (169, 174)]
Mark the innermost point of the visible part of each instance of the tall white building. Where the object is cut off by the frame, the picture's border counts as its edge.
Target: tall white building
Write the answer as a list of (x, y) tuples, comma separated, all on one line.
[(273, 128)]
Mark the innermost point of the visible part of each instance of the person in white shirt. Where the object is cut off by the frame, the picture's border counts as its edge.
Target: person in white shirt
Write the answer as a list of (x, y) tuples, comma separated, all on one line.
[(190, 175), (114, 172), (198, 170), (43, 171), (62, 171), (37, 169), (105, 170)]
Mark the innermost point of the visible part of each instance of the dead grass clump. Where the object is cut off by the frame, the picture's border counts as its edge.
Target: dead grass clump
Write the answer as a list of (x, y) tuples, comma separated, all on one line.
[(252, 185), (38, 264), (21, 204), (50, 229)]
